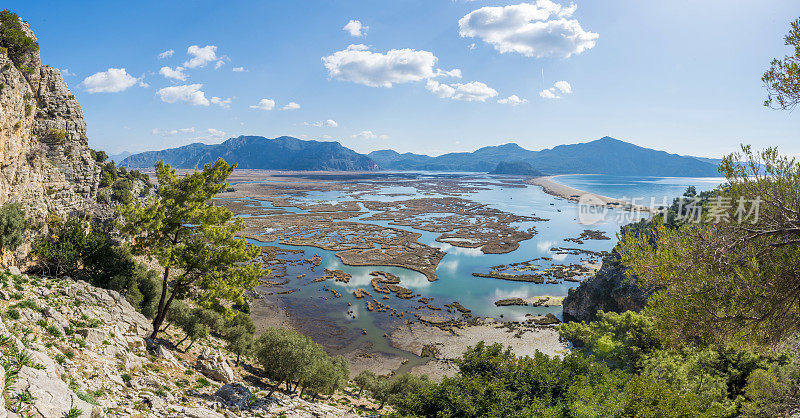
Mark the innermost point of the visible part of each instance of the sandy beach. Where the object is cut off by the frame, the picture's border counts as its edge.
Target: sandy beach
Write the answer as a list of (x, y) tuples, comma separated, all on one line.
[(570, 193), (451, 343)]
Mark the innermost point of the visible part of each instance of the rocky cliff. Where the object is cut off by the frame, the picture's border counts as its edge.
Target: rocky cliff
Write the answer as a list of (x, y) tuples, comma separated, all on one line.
[(45, 160), (609, 290)]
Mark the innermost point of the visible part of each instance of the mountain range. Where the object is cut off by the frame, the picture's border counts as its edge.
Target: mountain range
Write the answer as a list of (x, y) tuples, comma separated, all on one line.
[(283, 153), (603, 156)]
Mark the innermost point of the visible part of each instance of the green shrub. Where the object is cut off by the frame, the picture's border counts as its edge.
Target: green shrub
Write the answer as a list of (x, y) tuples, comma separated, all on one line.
[(12, 226), (13, 37), (12, 313)]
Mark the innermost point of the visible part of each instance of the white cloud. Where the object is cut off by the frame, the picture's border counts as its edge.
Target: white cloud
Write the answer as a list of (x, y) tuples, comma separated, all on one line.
[(536, 29), (513, 100), (200, 57), (455, 73), (226, 103), (190, 93), (264, 104), (215, 132), (355, 28), (113, 80), (66, 72), (330, 123), (238, 69), (474, 91), (359, 65), (291, 106), (176, 73), (548, 94), (369, 135), (172, 132), (559, 87), (219, 63), (326, 137), (166, 54), (563, 86)]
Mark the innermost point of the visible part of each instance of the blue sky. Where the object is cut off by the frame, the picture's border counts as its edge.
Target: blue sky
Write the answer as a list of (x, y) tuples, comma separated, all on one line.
[(683, 76)]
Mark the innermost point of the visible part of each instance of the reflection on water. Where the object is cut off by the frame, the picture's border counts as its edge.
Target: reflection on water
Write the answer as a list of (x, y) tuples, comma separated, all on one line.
[(456, 282)]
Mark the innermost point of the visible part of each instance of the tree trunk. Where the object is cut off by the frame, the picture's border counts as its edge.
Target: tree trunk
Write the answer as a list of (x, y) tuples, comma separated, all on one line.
[(273, 388), (190, 345), (161, 313), (181, 341)]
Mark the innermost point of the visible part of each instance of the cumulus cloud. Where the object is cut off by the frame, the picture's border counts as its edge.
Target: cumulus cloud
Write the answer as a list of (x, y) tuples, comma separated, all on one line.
[(355, 28), (369, 135), (166, 54), (200, 57), (330, 123), (66, 72), (264, 104), (291, 106), (513, 100), (175, 74), (189, 93), (238, 69), (360, 65), (563, 86), (559, 87), (113, 80), (226, 103), (474, 91), (538, 29)]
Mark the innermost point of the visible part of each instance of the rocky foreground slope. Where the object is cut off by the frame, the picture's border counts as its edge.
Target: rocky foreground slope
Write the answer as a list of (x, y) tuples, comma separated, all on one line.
[(67, 347)]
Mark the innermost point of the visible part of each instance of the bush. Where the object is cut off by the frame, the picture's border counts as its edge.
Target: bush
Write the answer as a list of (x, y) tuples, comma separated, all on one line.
[(295, 359), (14, 39), (494, 382), (12, 226)]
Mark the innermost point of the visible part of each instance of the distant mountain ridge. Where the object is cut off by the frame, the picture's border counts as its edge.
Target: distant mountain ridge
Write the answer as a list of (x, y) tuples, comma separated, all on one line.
[(257, 152), (602, 156)]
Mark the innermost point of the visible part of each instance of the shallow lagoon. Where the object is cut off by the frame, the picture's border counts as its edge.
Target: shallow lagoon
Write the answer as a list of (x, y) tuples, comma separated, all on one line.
[(456, 283)]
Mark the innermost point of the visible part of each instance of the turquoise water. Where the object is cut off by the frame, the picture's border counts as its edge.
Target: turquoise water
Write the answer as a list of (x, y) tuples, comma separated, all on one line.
[(645, 189), (345, 317)]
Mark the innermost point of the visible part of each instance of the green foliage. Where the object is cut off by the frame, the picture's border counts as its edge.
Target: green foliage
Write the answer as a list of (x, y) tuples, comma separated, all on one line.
[(98, 156), (121, 191), (295, 359), (14, 39), (364, 380), (193, 239), (88, 253), (782, 80), (494, 382), (622, 339), (12, 226), (732, 277)]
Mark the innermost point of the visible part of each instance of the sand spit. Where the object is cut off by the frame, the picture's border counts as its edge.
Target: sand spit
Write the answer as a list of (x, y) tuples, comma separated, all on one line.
[(565, 192)]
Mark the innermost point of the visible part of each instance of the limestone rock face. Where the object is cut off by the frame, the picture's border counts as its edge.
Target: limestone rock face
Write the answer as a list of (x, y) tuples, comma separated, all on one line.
[(609, 290), (45, 161)]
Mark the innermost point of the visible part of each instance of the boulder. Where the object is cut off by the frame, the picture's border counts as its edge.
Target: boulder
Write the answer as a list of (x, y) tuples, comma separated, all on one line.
[(53, 397), (14, 270), (92, 335), (167, 355), (234, 396), (212, 364)]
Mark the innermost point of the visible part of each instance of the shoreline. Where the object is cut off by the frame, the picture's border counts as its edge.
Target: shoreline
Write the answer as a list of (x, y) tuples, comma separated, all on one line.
[(570, 193)]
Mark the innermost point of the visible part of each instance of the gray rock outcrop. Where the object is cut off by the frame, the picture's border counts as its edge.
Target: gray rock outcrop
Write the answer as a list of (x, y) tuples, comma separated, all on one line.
[(45, 160), (609, 290)]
